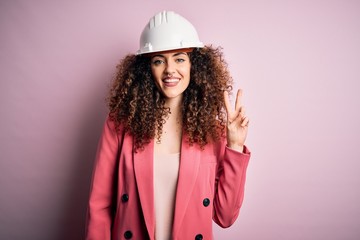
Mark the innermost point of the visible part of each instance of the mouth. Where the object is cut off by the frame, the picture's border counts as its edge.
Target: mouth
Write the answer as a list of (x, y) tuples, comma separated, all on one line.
[(171, 82)]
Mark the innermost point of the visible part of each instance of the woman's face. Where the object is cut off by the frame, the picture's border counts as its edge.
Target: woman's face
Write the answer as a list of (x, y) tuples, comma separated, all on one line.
[(171, 72)]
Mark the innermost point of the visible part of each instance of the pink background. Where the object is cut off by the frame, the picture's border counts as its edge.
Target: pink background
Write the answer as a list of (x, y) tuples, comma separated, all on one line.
[(297, 61)]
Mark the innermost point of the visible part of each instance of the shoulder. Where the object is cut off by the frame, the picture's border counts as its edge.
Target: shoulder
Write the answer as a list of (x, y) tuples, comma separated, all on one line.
[(112, 127)]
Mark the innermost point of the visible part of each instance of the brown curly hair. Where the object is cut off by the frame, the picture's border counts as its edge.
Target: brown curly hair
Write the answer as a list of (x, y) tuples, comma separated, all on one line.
[(135, 102)]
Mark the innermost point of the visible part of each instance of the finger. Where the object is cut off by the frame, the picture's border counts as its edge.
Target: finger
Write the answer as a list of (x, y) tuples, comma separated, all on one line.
[(238, 99), (245, 122), (237, 118), (242, 112), (227, 102), (239, 114)]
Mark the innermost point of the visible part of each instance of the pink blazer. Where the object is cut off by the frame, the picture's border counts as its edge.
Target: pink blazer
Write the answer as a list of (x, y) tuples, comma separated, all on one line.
[(121, 205)]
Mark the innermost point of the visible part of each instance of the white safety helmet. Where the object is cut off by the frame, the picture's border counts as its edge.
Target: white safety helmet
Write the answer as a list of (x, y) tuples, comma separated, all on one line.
[(168, 31)]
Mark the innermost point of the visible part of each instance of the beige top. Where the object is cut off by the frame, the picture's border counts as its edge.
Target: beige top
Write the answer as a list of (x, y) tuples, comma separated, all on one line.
[(166, 169)]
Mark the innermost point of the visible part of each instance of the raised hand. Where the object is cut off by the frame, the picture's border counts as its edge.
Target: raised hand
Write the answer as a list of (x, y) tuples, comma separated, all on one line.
[(237, 122)]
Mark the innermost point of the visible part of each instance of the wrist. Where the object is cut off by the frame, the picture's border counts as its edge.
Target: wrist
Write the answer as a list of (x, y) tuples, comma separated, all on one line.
[(239, 148)]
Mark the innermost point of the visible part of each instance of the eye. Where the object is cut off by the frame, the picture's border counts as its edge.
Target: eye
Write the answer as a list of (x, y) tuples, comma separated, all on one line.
[(180, 60), (157, 62)]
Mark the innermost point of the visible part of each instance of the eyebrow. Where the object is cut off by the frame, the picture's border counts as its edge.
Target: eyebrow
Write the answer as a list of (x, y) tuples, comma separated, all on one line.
[(176, 54)]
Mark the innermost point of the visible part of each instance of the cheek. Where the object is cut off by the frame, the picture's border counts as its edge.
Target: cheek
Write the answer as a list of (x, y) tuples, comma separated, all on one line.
[(157, 83), (185, 70), (156, 76), (153, 73)]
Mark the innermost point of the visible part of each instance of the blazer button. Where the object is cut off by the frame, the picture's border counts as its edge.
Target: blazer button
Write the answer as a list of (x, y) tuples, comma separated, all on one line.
[(206, 202), (128, 234), (125, 198), (199, 237)]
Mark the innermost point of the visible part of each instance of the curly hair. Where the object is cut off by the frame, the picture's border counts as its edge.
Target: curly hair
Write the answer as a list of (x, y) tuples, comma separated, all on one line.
[(136, 104)]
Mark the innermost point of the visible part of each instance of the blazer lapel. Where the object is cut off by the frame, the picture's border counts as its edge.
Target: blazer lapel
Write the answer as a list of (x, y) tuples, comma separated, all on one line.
[(143, 167), (189, 166)]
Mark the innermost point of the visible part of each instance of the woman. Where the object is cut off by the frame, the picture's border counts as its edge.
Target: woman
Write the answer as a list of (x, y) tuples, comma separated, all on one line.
[(171, 157)]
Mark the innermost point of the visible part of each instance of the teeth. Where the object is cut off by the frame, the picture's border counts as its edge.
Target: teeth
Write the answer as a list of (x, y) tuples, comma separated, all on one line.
[(170, 80)]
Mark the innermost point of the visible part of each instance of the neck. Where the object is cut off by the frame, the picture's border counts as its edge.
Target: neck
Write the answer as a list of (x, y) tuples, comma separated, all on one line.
[(175, 105)]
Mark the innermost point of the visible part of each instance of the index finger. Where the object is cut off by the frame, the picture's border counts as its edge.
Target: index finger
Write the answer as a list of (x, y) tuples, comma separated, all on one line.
[(238, 100)]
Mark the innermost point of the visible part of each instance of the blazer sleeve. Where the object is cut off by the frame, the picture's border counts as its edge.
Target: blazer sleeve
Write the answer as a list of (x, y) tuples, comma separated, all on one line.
[(229, 186), (99, 215)]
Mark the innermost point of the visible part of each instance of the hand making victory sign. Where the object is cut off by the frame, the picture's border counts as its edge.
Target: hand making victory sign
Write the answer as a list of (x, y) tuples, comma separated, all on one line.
[(237, 123)]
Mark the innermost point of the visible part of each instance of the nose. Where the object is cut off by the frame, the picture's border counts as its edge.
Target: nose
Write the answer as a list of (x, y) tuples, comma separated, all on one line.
[(170, 68)]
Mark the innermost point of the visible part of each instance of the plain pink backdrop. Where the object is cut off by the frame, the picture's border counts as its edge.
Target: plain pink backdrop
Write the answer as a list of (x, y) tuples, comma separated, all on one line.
[(297, 61)]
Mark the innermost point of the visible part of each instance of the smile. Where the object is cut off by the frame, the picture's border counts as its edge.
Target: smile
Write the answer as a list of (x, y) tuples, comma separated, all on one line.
[(171, 80)]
